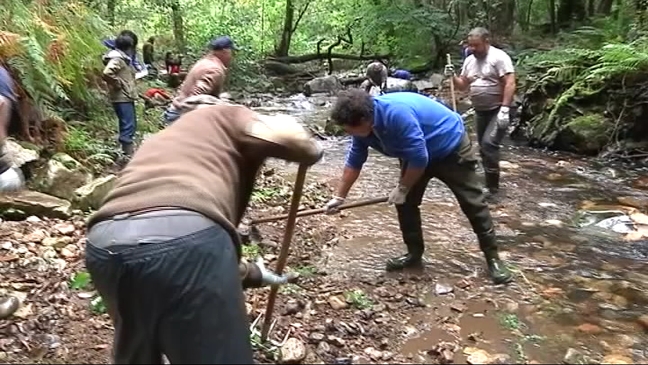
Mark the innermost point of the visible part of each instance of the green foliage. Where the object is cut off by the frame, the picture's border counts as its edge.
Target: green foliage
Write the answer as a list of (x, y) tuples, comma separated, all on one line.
[(54, 51)]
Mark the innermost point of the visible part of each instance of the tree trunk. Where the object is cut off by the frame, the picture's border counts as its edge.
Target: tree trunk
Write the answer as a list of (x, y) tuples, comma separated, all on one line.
[(552, 16), (570, 10), (286, 33), (178, 26), (605, 7), (110, 9)]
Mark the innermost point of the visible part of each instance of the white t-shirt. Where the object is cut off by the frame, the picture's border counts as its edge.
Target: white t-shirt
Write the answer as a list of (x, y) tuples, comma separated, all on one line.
[(486, 88)]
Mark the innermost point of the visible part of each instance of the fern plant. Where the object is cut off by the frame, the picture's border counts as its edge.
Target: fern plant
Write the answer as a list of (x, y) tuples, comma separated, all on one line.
[(52, 48)]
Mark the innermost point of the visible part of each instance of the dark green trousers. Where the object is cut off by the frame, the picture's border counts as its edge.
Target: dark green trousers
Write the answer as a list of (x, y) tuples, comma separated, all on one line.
[(459, 172)]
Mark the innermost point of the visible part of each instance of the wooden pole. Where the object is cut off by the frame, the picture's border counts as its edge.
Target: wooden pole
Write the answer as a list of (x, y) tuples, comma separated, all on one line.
[(452, 86), (285, 247), (305, 213)]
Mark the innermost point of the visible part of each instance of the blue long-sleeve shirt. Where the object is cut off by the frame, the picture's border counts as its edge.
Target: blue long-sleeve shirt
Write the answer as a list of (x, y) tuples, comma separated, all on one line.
[(410, 127), (7, 85)]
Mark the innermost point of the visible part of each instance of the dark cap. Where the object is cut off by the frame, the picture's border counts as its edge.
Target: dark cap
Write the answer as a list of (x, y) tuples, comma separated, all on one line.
[(223, 42)]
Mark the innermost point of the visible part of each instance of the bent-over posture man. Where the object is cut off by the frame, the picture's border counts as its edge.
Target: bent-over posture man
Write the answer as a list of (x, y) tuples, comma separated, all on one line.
[(430, 141), (489, 73), (376, 76), (207, 76), (163, 250)]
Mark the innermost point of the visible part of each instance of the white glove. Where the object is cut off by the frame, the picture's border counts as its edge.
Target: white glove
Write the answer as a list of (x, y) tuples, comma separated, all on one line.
[(270, 278), (332, 206), (398, 195), (503, 118), (12, 179), (449, 70)]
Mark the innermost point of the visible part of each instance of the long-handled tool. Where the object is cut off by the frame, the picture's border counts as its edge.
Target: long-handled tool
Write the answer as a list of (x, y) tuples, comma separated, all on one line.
[(285, 247), (248, 230), (452, 88), (305, 213)]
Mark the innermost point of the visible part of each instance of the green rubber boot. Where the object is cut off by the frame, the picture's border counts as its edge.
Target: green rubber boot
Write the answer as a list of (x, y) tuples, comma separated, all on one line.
[(497, 269), (413, 257)]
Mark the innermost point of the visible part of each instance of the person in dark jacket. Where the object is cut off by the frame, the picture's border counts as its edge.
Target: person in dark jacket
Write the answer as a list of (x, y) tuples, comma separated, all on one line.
[(430, 141), (119, 74), (110, 43)]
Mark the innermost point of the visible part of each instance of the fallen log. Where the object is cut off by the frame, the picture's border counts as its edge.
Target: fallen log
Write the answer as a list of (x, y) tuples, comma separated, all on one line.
[(324, 56)]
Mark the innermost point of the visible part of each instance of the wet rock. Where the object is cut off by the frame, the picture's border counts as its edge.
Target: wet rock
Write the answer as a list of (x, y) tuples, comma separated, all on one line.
[(323, 348), (8, 306), (373, 353), (337, 302), (292, 352), (91, 195), (639, 202), (573, 356), (394, 84), (326, 84), (22, 153), (643, 321), (316, 337), (590, 329), (478, 356), (444, 352), (442, 288), (61, 176), (34, 203), (616, 359), (336, 341)]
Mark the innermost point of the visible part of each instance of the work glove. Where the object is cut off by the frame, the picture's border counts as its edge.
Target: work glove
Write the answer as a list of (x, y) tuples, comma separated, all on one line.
[(12, 179), (258, 276), (332, 206), (398, 195), (449, 70), (503, 117)]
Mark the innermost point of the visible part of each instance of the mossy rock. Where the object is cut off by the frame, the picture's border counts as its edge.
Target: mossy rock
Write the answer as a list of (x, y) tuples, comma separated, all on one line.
[(590, 132)]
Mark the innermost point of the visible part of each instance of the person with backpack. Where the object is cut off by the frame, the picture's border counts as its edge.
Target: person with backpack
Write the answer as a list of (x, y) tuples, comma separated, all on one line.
[(119, 74)]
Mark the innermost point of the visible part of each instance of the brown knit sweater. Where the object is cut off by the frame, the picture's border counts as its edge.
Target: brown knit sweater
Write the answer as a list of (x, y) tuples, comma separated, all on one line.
[(207, 162)]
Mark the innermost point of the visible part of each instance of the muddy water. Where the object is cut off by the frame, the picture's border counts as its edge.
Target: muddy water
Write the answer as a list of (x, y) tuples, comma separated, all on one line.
[(578, 291)]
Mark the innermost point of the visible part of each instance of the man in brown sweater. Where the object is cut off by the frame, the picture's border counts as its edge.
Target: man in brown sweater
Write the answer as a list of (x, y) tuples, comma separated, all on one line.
[(163, 250), (206, 77)]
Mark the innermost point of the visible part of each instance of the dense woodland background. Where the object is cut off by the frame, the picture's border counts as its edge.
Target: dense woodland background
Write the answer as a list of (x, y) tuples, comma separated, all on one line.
[(581, 63)]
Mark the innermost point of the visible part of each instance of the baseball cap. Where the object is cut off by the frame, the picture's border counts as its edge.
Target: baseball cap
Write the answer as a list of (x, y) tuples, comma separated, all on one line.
[(223, 42)]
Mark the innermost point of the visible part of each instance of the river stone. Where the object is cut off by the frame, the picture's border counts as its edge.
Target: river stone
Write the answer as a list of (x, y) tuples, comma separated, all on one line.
[(292, 352), (92, 194), (35, 203), (326, 84), (394, 84), (61, 176), (22, 154)]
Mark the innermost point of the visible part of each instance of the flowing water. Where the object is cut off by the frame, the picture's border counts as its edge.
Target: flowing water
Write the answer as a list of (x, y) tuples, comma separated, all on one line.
[(579, 292)]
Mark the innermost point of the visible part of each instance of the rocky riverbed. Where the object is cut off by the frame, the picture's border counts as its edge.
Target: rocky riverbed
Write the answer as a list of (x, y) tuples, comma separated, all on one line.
[(579, 295)]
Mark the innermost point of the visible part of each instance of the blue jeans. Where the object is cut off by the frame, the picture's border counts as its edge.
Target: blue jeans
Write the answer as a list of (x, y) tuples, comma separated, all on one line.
[(170, 116), (127, 121)]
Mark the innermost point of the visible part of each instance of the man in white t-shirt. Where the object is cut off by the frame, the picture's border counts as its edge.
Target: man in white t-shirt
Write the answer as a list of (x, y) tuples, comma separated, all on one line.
[(489, 74)]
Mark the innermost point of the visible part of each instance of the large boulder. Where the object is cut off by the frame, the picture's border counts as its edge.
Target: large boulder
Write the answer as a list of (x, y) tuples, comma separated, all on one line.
[(394, 84), (60, 177), (91, 195), (27, 203), (326, 84)]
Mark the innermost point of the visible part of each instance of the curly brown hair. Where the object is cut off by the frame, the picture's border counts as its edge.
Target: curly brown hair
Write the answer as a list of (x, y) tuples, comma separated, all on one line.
[(351, 107)]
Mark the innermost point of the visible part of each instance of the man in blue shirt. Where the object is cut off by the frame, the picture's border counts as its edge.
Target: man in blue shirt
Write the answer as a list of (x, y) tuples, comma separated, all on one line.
[(430, 141)]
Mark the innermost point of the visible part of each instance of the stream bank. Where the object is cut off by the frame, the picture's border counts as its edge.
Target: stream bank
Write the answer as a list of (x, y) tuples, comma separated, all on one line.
[(579, 294)]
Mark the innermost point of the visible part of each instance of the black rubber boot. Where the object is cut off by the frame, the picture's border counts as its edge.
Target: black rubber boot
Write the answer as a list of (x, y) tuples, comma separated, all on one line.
[(128, 149), (497, 269), (492, 186), (413, 257)]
